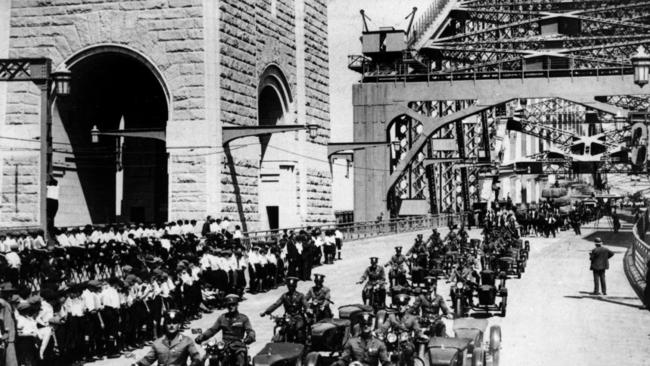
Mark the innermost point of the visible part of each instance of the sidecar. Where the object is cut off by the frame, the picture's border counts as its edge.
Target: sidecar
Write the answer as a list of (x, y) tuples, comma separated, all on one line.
[(353, 313), (279, 354), (327, 340)]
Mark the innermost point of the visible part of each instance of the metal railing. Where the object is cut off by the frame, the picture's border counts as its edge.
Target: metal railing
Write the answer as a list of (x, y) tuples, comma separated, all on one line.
[(641, 249), (363, 230)]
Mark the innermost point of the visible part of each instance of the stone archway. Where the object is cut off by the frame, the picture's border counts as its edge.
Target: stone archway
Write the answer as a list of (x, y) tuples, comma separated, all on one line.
[(278, 200), (117, 179)]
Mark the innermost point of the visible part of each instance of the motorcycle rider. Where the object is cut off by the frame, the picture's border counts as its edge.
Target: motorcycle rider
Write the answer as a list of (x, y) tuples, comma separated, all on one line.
[(364, 348), (467, 274), (173, 348), (295, 305), (375, 276), (236, 328), (429, 304), (403, 321), (321, 295), (398, 268)]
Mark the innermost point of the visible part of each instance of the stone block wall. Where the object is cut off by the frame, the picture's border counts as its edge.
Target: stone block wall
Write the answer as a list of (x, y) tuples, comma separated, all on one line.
[(20, 190), (169, 33)]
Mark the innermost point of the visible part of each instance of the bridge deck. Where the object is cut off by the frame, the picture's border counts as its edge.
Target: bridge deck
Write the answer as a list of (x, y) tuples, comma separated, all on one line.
[(552, 319)]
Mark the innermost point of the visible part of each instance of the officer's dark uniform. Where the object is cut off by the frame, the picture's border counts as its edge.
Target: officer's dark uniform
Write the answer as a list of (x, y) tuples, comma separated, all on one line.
[(322, 296), (295, 304), (374, 274), (172, 353), (235, 327), (429, 305), (368, 351), (397, 265)]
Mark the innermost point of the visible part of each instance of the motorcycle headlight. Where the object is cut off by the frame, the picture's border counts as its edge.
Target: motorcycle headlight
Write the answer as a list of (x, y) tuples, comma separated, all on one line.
[(391, 337), (404, 337), (459, 285), (211, 343), (221, 345)]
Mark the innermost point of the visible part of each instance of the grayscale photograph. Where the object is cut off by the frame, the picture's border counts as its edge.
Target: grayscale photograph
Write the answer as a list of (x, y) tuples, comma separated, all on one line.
[(324, 182)]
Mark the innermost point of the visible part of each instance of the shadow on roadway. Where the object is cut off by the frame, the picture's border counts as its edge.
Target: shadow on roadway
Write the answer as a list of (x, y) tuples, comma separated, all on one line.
[(621, 239), (609, 299)]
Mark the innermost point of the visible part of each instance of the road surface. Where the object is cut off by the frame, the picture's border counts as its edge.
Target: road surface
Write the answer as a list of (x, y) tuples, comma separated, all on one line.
[(552, 319)]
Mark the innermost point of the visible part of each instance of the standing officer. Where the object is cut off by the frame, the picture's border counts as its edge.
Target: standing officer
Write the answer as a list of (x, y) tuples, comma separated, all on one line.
[(321, 296), (398, 269), (295, 305), (599, 258), (364, 348), (172, 349), (376, 277), (236, 329)]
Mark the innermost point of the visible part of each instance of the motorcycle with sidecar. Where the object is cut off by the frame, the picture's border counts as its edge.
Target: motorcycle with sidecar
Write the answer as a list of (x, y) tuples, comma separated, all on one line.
[(467, 347)]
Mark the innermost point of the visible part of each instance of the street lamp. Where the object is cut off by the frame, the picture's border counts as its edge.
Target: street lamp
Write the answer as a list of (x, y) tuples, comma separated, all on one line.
[(313, 131), (641, 65), (62, 79), (94, 134), (396, 145)]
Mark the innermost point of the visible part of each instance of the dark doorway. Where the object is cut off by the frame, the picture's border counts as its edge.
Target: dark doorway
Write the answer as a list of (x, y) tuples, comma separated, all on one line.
[(107, 87), (273, 215)]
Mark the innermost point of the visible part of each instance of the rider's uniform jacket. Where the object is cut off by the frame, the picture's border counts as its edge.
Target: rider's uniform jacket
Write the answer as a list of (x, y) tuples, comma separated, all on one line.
[(368, 351), (172, 353), (407, 322), (374, 275), (234, 327), (322, 294), (294, 304), (430, 304), (398, 262)]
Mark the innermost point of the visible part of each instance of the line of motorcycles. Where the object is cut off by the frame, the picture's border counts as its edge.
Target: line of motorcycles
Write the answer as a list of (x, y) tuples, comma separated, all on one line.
[(473, 344)]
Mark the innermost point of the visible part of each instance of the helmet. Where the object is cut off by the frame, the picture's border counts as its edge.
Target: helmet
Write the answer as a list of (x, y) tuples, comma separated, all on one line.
[(232, 299), (174, 316)]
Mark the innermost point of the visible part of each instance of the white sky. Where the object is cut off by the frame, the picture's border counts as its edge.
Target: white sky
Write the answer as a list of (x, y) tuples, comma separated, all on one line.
[(345, 28)]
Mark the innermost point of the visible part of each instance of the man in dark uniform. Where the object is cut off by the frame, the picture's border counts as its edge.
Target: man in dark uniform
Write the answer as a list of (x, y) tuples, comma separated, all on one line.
[(402, 321), (398, 269), (236, 329), (320, 295), (376, 277), (364, 348), (172, 349), (428, 306), (295, 305), (599, 258)]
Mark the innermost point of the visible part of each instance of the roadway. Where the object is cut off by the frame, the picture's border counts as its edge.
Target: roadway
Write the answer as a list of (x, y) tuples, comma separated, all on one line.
[(552, 317)]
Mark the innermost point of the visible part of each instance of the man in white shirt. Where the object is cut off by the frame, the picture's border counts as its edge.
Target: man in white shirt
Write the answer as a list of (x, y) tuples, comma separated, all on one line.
[(338, 235), (225, 224)]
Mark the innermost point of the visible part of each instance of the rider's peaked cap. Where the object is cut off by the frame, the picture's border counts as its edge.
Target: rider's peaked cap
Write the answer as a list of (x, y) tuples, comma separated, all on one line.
[(319, 277), (374, 259), (292, 281), (399, 249), (431, 279), (232, 299), (173, 316), (367, 318), (402, 299)]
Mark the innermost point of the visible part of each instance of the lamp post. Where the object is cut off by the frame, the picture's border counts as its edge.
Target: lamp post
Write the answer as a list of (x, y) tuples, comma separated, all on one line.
[(51, 84), (641, 65)]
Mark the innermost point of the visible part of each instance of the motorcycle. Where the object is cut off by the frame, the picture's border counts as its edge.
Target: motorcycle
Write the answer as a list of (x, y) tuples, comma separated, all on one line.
[(284, 329), (397, 343), (223, 354), (376, 295), (461, 295), (434, 325), (319, 310)]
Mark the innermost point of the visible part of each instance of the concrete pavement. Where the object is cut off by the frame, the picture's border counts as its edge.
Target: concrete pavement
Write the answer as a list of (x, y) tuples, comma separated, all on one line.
[(552, 317)]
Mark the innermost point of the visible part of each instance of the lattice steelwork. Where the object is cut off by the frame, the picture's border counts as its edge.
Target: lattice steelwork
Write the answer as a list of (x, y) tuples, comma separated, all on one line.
[(440, 185)]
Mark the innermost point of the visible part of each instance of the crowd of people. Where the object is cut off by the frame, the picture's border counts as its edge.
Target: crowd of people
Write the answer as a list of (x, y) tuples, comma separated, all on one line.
[(100, 291)]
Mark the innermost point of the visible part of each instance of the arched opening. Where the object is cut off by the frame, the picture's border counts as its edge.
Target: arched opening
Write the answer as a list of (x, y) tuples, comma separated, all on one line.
[(278, 181), (118, 179)]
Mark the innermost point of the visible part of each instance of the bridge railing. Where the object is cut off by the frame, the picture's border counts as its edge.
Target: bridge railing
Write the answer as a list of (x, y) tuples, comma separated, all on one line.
[(640, 248), (363, 230)]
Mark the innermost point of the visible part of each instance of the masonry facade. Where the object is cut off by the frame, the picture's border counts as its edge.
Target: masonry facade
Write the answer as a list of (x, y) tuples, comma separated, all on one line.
[(217, 63)]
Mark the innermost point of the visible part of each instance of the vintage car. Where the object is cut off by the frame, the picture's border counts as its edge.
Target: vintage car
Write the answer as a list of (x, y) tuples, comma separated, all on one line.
[(467, 347), (280, 354)]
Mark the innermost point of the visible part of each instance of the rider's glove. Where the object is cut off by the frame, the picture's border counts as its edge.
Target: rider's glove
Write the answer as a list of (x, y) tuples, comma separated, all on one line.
[(198, 339), (248, 340), (263, 314)]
